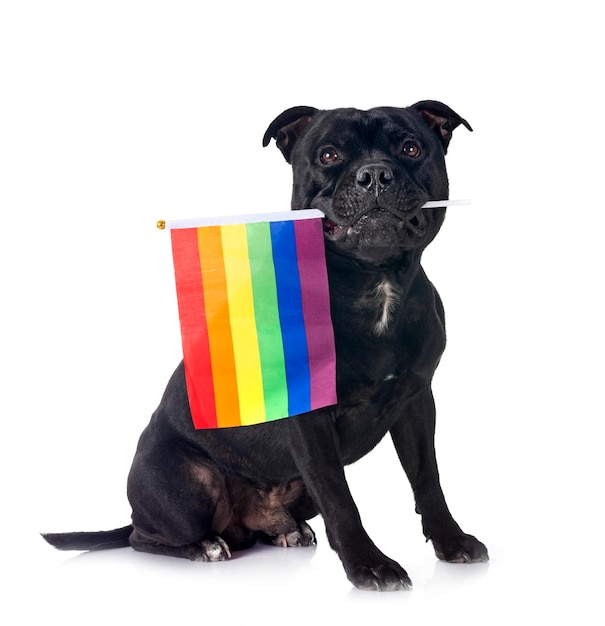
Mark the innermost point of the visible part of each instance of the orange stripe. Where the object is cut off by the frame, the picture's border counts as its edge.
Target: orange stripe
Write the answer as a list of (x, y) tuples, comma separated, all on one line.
[(219, 326)]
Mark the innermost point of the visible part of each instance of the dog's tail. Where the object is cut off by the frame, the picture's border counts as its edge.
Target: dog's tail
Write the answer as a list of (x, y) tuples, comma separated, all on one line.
[(100, 540)]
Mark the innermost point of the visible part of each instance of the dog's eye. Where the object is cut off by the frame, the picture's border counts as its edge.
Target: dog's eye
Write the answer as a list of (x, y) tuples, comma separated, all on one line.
[(328, 155), (411, 149)]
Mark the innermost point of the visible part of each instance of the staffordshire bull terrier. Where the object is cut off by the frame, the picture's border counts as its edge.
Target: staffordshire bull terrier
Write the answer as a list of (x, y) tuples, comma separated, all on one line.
[(200, 494)]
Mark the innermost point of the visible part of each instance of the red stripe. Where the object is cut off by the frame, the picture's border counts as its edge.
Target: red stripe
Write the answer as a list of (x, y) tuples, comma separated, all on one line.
[(194, 331)]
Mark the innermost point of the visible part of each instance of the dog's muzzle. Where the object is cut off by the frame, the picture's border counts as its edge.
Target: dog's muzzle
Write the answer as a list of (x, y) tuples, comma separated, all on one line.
[(376, 199)]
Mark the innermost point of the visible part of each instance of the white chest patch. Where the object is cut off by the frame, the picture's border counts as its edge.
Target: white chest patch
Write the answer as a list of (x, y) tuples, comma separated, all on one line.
[(386, 297)]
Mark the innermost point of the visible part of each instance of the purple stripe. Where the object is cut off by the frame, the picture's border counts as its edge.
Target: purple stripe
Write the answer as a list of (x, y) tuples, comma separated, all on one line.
[(313, 274)]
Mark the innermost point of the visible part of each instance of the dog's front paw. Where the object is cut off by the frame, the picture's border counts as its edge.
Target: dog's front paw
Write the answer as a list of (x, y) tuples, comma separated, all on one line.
[(460, 549), (386, 576)]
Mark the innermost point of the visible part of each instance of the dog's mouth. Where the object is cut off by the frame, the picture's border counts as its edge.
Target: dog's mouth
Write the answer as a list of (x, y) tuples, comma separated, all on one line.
[(416, 223), (333, 231), (410, 224)]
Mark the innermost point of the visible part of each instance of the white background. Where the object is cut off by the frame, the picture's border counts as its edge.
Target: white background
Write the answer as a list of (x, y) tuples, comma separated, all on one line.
[(116, 114)]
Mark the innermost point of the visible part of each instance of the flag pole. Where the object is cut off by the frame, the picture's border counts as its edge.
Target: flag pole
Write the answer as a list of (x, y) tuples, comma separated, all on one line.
[(276, 216)]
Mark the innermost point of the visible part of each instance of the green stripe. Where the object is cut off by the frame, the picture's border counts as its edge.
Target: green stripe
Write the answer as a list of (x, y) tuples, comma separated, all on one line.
[(268, 328)]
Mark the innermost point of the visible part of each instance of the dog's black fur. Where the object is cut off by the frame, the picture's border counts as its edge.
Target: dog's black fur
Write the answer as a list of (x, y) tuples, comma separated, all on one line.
[(200, 494)]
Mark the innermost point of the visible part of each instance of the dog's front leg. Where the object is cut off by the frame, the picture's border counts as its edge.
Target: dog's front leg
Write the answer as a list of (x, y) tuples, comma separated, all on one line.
[(314, 447), (413, 436)]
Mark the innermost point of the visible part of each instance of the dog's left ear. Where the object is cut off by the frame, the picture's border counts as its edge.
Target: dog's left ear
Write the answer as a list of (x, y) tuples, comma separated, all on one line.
[(287, 127), (440, 118)]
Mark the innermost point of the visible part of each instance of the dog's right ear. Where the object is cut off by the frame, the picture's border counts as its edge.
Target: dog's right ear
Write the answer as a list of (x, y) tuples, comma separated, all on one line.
[(288, 127)]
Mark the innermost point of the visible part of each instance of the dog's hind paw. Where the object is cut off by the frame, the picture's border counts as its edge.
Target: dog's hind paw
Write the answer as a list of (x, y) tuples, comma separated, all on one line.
[(461, 549), (301, 537), (213, 548)]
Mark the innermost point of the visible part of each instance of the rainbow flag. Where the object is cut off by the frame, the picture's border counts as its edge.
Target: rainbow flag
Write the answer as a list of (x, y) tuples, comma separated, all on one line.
[(253, 300)]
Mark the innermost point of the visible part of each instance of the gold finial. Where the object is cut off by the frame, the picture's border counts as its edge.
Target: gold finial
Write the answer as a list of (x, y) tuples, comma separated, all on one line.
[(161, 224)]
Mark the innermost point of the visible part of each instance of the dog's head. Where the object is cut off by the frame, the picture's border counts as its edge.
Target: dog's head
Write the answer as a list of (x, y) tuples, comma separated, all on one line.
[(370, 172)]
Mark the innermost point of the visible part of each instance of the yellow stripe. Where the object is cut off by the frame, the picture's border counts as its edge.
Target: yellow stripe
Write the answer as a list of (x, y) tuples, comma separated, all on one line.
[(243, 324)]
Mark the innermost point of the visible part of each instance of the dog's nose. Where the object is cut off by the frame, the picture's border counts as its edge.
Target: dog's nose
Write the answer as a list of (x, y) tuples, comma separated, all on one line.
[(374, 177)]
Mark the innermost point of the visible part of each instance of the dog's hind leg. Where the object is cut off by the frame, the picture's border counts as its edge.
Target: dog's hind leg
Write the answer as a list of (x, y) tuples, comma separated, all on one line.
[(180, 505), (413, 436)]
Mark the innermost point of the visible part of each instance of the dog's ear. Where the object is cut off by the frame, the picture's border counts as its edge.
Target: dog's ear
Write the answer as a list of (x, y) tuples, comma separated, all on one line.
[(288, 127), (440, 118)]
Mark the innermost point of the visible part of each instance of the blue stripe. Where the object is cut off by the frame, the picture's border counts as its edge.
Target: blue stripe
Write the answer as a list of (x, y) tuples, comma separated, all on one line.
[(291, 318)]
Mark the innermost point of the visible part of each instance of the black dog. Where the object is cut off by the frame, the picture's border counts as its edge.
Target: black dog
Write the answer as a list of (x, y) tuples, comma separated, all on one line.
[(201, 493)]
